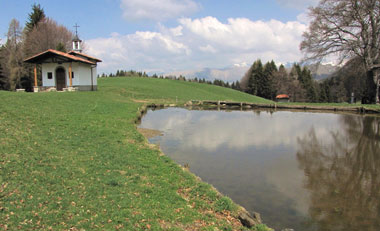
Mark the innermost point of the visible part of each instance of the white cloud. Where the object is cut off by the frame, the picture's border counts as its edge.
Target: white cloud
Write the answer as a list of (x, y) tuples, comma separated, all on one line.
[(199, 43), (208, 49), (177, 31), (149, 51), (246, 35), (157, 10)]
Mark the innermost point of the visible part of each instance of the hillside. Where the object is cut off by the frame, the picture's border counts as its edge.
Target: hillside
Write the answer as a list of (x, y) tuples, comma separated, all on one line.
[(168, 91), (74, 160)]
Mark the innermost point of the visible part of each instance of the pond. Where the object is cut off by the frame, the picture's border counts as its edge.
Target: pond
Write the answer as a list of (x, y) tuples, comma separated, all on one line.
[(299, 170)]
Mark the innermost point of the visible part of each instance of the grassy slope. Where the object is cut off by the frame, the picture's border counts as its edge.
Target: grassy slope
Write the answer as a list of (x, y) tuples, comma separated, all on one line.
[(166, 91), (75, 160)]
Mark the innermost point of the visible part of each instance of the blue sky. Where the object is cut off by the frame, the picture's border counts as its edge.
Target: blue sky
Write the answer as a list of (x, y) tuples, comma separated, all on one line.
[(175, 35)]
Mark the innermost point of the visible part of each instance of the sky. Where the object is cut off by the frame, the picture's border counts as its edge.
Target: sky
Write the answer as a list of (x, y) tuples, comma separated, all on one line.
[(164, 36)]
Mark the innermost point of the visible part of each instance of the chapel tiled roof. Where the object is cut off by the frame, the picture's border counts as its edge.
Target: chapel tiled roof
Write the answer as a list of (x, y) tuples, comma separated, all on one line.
[(46, 54), (78, 53)]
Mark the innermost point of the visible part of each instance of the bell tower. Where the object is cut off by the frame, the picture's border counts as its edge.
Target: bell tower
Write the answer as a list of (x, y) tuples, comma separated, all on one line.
[(76, 41)]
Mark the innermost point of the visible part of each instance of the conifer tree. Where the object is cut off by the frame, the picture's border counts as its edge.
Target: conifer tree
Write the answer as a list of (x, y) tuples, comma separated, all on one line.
[(61, 47), (307, 82), (268, 90), (255, 78), (35, 17), (237, 85)]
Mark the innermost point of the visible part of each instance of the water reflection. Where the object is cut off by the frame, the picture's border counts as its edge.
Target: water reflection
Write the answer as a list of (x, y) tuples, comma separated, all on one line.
[(344, 175), (236, 130), (274, 163)]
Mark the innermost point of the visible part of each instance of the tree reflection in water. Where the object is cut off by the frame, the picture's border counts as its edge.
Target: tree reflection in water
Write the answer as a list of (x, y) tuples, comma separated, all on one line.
[(343, 175)]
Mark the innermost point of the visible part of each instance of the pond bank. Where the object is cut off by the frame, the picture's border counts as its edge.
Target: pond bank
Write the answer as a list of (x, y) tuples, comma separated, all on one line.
[(228, 105), (247, 106)]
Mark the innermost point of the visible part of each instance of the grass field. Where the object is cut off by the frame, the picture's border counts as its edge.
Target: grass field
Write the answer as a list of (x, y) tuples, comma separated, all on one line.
[(75, 161), (168, 91)]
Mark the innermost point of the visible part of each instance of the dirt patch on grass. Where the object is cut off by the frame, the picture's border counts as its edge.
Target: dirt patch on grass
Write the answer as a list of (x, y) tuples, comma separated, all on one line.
[(140, 101), (149, 133)]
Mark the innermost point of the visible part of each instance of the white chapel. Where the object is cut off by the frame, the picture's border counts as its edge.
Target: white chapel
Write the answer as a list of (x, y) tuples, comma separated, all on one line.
[(66, 71)]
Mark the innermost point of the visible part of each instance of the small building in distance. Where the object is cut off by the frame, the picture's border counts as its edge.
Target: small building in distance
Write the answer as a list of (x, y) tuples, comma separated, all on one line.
[(283, 98), (66, 71)]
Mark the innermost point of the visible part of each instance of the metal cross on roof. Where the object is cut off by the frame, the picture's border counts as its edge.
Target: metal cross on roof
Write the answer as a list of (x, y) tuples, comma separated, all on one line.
[(76, 29)]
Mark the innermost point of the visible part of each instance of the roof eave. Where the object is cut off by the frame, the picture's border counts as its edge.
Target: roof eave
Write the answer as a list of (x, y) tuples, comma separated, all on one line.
[(38, 58)]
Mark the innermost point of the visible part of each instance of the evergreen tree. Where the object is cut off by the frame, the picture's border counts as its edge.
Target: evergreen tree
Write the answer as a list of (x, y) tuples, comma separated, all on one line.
[(324, 92), (233, 85), (61, 47), (268, 90), (255, 77), (35, 17), (262, 78), (307, 82), (237, 85)]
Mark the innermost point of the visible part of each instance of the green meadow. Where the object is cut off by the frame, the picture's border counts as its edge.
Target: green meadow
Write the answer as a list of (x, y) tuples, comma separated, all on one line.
[(75, 161)]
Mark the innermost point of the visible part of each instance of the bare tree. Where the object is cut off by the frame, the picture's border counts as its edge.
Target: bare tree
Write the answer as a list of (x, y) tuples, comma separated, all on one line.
[(347, 28), (245, 79), (47, 35), (13, 54)]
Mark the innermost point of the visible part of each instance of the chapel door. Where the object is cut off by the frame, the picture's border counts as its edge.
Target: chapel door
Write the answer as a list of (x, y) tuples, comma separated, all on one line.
[(60, 78)]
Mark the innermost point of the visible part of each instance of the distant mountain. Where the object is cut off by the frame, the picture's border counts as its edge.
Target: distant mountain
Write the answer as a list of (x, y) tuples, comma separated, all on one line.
[(229, 74), (322, 71), (233, 73), (319, 71)]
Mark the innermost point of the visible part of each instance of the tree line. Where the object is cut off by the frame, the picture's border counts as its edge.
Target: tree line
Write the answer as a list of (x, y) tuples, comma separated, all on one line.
[(39, 34), (350, 82), (268, 81)]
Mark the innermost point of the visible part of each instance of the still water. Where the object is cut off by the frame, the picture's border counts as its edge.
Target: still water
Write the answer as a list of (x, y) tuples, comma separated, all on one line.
[(299, 170)]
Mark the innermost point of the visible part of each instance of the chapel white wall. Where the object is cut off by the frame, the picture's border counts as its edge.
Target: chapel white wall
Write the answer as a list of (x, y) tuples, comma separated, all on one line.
[(82, 74)]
